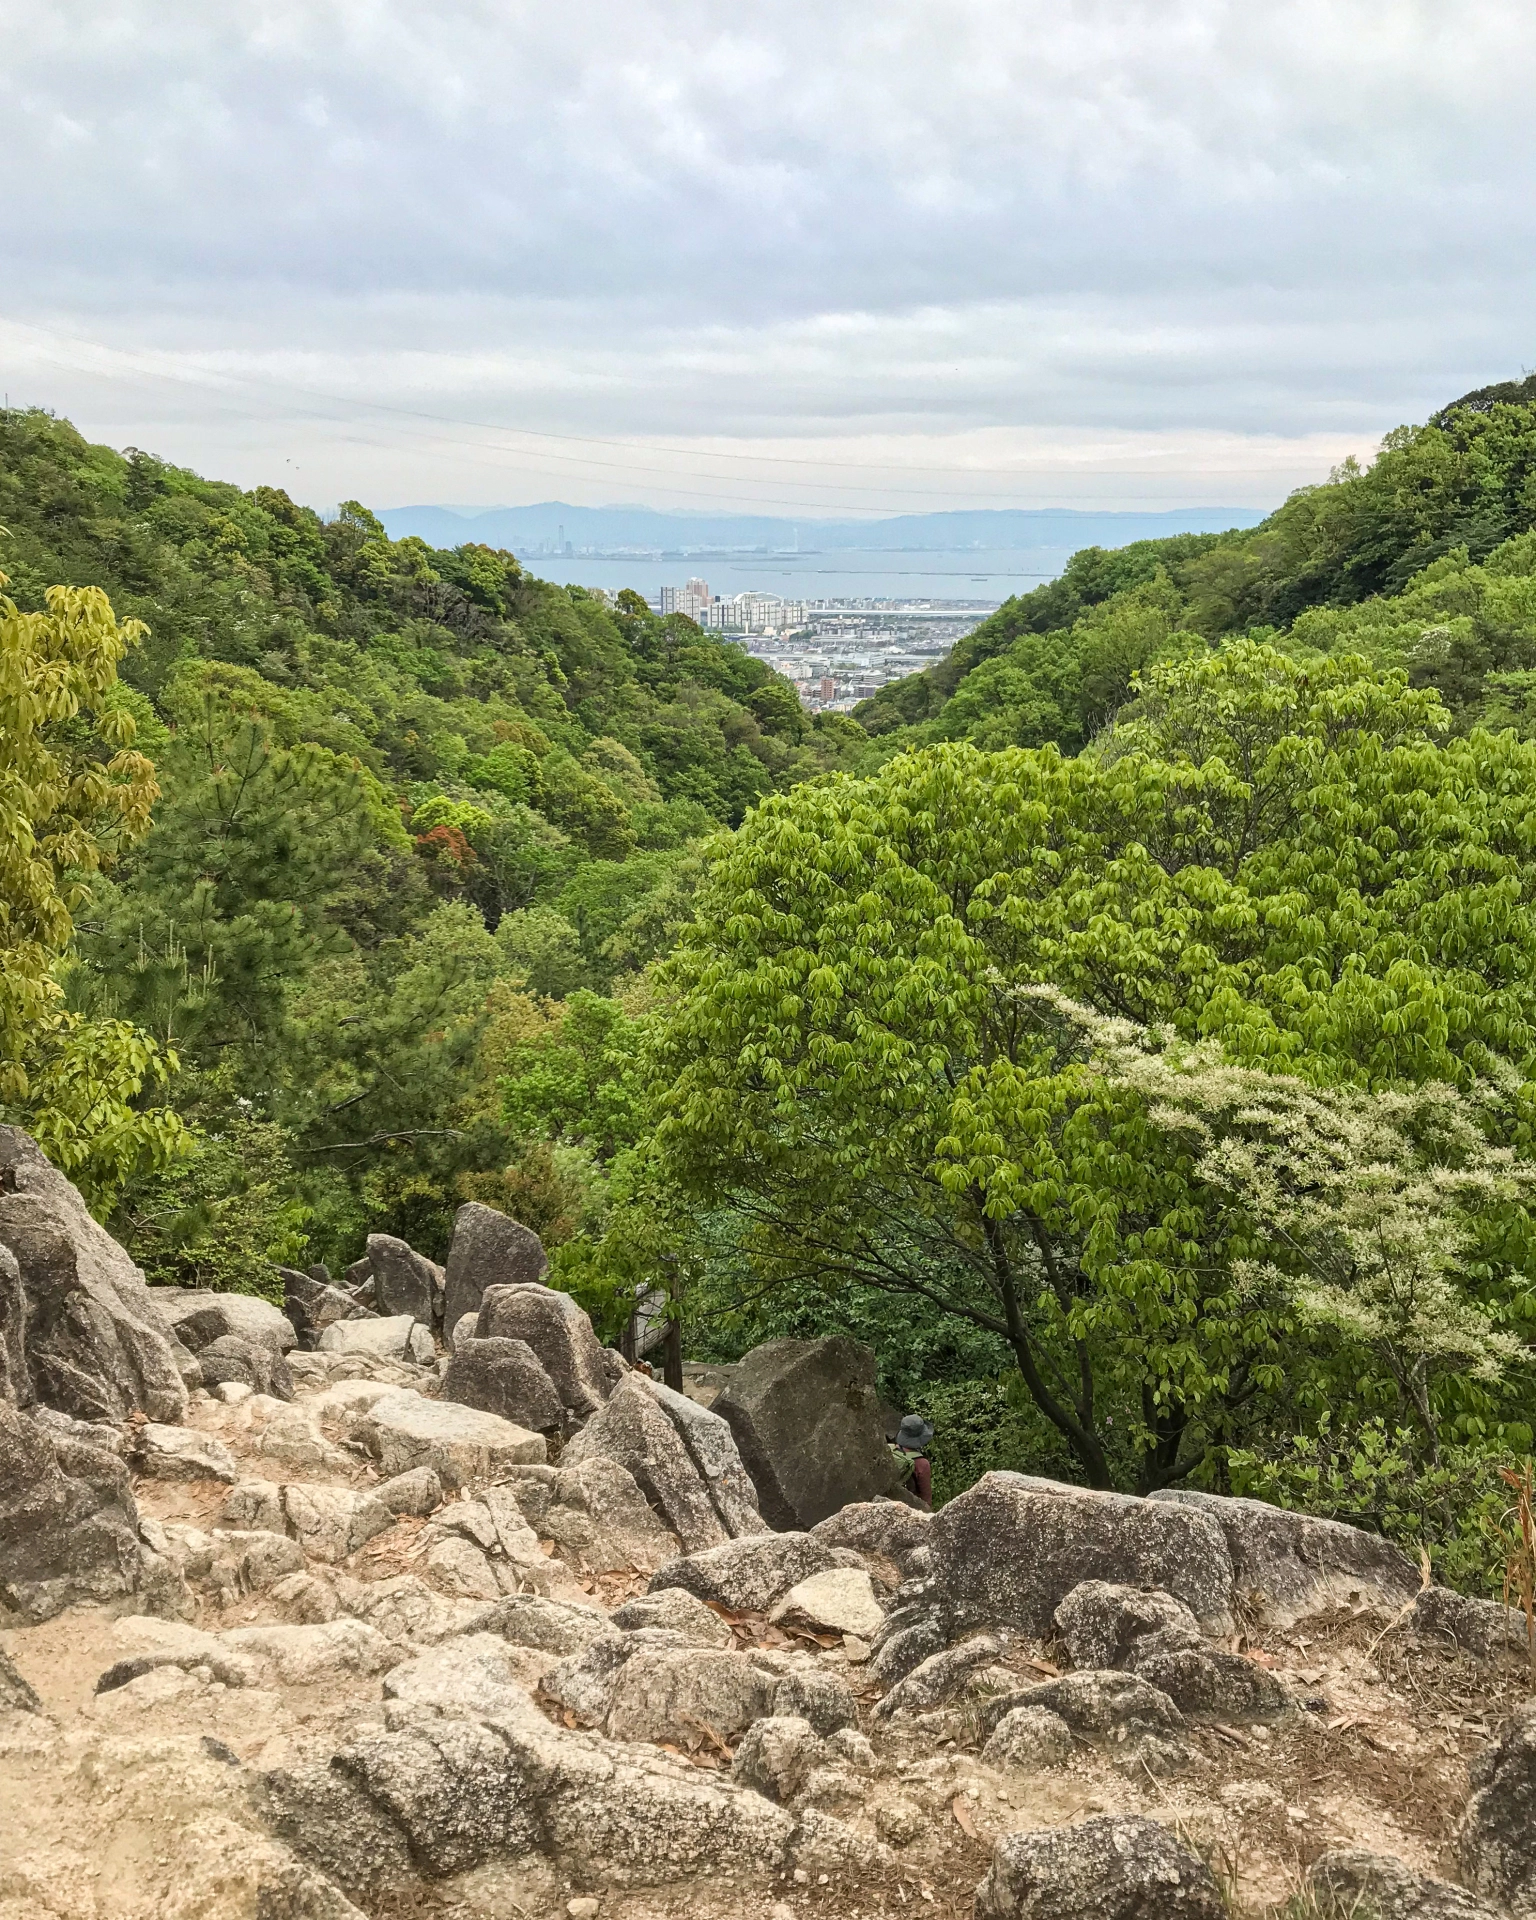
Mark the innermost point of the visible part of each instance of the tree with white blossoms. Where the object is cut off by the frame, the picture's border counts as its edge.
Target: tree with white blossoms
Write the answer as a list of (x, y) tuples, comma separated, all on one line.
[(1149, 1226), (858, 1080), (1377, 1208)]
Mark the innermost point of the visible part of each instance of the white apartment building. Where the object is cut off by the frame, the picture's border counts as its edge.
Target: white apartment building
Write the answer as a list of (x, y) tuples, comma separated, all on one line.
[(693, 600), (741, 613)]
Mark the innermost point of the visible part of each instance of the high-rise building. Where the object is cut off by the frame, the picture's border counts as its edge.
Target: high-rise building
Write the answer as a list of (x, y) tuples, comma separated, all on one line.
[(694, 600)]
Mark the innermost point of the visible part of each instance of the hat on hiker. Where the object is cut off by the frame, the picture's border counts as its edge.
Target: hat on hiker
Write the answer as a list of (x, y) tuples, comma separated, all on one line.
[(914, 1433)]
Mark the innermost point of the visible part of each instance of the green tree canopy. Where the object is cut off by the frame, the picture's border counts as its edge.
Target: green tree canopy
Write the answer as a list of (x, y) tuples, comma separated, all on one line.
[(1280, 860)]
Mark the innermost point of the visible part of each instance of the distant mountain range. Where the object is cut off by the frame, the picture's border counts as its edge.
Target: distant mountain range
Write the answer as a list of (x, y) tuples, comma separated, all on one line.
[(644, 527)]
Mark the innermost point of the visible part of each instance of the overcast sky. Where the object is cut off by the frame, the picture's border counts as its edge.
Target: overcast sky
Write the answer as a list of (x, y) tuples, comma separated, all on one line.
[(849, 255)]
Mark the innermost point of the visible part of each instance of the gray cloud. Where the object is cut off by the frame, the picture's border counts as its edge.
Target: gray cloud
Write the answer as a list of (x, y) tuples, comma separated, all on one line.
[(917, 232)]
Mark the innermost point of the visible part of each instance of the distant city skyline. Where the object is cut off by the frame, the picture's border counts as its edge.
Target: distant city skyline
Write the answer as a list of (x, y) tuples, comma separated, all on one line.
[(897, 557)]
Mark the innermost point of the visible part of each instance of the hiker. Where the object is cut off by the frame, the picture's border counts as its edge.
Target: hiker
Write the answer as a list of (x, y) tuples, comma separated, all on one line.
[(913, 1438)]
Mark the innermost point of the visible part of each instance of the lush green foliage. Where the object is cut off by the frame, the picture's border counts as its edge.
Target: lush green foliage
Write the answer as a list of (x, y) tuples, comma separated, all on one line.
[(1416, 561), (1377, 1477), (855, 1064), (392, 781), (1133, 1040), (74, 794)]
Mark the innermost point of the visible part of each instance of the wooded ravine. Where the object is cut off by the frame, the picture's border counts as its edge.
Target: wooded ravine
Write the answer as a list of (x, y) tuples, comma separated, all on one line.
[(1127, 1027)]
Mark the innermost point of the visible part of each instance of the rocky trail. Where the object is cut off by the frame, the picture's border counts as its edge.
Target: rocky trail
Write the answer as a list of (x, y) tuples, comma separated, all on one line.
[(412, 1599)]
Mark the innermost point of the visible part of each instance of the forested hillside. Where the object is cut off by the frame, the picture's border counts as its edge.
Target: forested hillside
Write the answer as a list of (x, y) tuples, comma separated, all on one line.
[(1134, 1038), (409, 801), (1416, 561)]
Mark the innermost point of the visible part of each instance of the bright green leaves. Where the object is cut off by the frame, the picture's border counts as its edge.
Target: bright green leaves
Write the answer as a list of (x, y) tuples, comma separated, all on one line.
[(73, 794), (1279, 859)]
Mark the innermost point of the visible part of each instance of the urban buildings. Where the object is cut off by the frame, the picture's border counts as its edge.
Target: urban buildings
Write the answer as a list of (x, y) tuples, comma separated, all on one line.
[(694, 600), (834, 652)]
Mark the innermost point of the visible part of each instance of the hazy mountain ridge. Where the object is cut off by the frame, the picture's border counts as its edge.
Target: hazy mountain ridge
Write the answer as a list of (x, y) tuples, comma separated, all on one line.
[(641, 526)]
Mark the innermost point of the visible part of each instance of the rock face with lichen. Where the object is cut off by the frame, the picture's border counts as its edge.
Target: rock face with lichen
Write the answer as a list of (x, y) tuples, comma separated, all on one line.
[(1113, 1867), (1009, 1550), (487, 1250), (69, 1527), (1496, 1844), (809, 1427), (82, 1333), (1287, 1564)]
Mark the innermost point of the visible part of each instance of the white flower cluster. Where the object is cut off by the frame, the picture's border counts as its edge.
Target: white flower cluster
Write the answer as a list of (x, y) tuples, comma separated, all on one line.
[(1386, 1214)]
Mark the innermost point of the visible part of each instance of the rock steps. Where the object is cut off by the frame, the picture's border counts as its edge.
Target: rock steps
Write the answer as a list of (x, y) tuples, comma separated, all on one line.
[(383, 1642)]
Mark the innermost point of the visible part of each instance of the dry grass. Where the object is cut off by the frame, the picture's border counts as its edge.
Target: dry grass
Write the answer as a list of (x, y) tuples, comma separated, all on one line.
[(1518, 1543), (1315, 1903)]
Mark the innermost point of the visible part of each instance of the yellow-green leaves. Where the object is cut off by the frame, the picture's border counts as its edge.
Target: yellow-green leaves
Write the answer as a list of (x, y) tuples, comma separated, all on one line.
[(73, 793)]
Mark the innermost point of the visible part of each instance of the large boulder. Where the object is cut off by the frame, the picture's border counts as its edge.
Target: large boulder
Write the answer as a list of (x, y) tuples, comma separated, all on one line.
[(1115, 1867), (841, 1600), (1202, 1679), (1484, 1628), (712, 1447), (163, 1452), (1352, 1880), (633, 1430), (809, 1427), (557, 1330), (1494, 1840), (471, 1678), (938, 1678), (888, 1529), (1100, 1622), (397, 1337), (583, 1683), (461, 1445), (94, 1344), (1028, 1739), (308, 1655), (750, 1574), (821, 1698), (599, 1518), (15, 1385), (310, 1306), (776, 1756), (68, 1523), (233, 1358), (688, 1695), (405, 1608), (404, 1281), (332, 1821), (488, 1249), (452, 1794), (330, 1523), (1118, 1710), (547, 1626), (505, 1377), (1010, 1549), (675, 1610), (198, 1316), (1287, 1565)]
